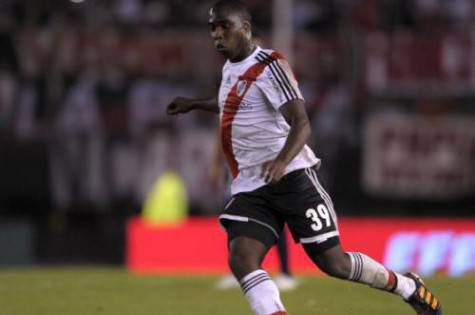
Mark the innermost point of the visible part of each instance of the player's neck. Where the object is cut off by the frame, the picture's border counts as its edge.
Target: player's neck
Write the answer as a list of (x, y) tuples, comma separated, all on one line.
[(246, 52)]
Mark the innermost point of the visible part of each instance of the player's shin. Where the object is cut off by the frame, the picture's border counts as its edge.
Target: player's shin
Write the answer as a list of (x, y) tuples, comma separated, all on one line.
[(368, 271), (262, 294)]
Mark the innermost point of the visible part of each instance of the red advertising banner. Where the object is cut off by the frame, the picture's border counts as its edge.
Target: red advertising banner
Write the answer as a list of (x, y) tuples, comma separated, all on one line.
[(423, 245)]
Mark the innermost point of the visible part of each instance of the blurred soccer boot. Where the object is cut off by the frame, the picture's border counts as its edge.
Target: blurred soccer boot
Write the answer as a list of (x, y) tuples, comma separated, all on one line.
[(422, 300), (227, 282), (286, 282)]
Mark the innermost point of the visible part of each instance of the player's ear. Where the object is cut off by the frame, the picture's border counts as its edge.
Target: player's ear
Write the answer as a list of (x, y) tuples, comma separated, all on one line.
[(246, 25)]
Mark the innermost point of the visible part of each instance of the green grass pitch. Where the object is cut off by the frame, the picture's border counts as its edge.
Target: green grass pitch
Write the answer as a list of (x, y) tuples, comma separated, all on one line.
[(114, 291)]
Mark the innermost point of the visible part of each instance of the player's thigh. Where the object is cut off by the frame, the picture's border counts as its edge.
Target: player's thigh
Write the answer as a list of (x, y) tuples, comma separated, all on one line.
[(312, 220), (249, 215)]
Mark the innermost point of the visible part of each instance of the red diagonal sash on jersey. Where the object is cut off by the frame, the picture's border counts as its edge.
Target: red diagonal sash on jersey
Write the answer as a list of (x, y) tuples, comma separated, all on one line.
[(231, 107)]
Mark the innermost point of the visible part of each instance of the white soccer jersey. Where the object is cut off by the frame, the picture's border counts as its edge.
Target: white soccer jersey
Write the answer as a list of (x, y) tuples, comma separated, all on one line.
[(253, 130)]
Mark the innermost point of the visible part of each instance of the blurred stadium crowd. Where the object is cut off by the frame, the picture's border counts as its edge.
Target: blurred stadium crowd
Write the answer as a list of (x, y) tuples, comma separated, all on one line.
[(84, 85)]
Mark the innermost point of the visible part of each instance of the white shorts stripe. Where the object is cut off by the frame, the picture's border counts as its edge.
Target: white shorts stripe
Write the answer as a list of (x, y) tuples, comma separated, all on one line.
[(229, 203), (326, 198), (319, 238), (332, 208), (321, 190), (246, 219), (234, 217)]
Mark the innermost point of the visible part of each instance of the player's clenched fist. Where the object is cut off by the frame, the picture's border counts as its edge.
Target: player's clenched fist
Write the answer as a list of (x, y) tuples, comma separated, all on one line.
[(180, 105)]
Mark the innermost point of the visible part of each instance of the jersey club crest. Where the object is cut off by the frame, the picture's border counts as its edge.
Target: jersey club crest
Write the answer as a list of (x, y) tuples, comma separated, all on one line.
[(241, 87)]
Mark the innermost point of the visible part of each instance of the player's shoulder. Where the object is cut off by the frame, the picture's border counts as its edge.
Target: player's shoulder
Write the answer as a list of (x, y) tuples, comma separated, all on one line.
[(275, 63), (267, 55)]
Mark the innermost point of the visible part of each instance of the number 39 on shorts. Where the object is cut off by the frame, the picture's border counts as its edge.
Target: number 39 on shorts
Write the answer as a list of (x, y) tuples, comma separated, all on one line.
[(317, 216)]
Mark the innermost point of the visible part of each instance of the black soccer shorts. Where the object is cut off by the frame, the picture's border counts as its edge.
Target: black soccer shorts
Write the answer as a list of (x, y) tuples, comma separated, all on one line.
[(298, 199)]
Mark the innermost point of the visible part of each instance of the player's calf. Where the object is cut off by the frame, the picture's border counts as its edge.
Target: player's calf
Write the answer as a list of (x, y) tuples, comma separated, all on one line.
[(245, 254), (360, 268), (334, 262), (368, 271)]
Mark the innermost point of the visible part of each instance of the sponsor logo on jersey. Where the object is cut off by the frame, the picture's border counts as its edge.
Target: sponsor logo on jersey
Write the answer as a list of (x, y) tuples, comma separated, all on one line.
[(243, 106)]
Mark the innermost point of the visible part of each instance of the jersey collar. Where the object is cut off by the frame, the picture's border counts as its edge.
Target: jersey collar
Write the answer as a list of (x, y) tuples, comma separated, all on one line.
[(252, 55)]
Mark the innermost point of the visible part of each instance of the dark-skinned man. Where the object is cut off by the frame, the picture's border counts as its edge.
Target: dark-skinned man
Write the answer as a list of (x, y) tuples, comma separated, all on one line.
[(264, 129)]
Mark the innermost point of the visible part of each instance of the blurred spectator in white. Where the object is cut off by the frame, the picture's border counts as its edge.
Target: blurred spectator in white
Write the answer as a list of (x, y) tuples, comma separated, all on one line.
[(152, 132), (148, 136), (28, 99), (111, 92), (76, 152)]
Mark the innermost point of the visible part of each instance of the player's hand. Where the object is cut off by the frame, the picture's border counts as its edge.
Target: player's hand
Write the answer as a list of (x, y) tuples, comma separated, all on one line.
[(273, 171), (180, 105)]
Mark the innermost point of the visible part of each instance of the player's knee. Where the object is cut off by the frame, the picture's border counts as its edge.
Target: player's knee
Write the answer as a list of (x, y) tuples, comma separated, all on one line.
[(334, 262), (242, 261)]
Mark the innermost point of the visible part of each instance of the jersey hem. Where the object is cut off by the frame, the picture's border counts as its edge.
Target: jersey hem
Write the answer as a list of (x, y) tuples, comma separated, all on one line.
[(236, 190)]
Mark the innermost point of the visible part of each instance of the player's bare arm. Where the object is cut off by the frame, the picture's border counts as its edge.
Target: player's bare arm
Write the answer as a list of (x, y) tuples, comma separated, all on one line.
[(295, 114), (182, 105)]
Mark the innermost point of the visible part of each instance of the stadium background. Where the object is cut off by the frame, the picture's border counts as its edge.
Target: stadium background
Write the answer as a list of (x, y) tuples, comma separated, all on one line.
[(389, 87)]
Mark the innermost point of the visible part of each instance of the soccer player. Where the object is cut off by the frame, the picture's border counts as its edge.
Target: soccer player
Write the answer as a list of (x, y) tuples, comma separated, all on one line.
[(284, 280), (264, 130)]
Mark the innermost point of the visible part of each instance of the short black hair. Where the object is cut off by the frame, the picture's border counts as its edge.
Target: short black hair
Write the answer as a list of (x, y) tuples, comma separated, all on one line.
[(233, 6)]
